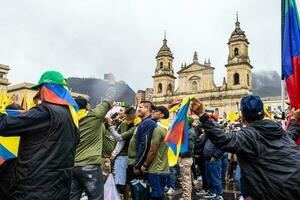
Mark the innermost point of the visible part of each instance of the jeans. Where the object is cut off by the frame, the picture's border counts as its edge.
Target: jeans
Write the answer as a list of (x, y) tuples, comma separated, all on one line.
[(120, 167), (201, 164), (171, 179), (224, 161), (213, 176), (241, 182), (89, 179), (157, 183), (237, 176)]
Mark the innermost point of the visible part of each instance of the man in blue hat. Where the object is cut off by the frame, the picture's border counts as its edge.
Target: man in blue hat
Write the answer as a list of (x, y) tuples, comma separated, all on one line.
[(268, 157)]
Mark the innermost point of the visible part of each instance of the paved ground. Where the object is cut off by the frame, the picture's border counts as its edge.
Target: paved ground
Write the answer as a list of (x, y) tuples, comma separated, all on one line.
[(230, 193)]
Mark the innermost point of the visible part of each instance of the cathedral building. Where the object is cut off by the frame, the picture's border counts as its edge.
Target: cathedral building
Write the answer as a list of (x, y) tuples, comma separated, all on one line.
[(198, 78)]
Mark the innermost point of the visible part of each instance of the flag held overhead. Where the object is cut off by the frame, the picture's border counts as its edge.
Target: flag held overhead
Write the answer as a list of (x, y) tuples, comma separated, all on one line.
[(291, 52)]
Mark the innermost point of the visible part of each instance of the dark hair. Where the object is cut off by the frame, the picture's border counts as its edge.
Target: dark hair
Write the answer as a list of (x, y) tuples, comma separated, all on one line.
[(163, 110), (149, 105), (130, 111), (81, 102)]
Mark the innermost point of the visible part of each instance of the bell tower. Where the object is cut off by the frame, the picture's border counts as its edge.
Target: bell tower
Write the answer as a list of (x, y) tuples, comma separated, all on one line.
[(164, 79), (238, 64), (3, 77)]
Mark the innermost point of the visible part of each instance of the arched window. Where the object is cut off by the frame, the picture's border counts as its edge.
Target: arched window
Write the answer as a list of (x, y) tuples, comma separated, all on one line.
[(169, 88), (161, 65), (159, 88), (236, 79), (169, 65), (248, 80), (236, 51), (194, 87)]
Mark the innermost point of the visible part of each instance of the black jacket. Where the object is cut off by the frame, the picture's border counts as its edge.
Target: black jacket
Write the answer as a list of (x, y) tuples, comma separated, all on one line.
[(46, 152), (269, 159), (210, 151), (199, 142)]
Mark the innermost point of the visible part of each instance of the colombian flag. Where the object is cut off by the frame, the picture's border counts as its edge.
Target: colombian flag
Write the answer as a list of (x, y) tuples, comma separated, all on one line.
[(9, 146), (291, 52), (59, 94), (174, 106), (177, 137), (210, 110)]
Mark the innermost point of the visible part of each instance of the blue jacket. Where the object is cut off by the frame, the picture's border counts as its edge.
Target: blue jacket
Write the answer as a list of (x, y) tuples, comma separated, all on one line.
[(143, 140), (211, 151)]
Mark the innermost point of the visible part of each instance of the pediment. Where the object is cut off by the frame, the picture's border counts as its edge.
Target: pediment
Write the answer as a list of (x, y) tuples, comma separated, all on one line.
[(192, 68), (194, 78)]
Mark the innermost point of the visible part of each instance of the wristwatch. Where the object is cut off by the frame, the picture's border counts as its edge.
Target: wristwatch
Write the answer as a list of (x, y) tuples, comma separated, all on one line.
[(144, 165)]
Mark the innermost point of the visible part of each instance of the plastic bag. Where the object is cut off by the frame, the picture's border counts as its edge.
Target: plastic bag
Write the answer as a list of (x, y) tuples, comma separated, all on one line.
[(110, 189)]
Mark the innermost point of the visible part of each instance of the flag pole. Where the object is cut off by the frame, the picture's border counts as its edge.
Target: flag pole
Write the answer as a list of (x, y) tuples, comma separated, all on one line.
[(282, 76)]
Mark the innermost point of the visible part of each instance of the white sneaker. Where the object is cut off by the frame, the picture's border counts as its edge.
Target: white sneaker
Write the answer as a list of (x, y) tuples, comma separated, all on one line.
[(170, 192), (218, 198), (166, 189), (201, 193), (209, 196), (195, 182)]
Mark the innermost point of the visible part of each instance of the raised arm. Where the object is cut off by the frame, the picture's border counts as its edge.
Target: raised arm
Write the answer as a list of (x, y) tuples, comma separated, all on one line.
[(294, 129), (100, 110), (234, 141), (115, 133)]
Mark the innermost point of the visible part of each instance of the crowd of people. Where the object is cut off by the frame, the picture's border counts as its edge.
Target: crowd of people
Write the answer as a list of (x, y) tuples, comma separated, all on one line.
[(63, 156)]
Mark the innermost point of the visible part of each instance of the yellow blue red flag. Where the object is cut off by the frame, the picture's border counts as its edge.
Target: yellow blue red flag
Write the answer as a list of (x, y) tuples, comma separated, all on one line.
[(177, 137), (59, 94), (9, 146)]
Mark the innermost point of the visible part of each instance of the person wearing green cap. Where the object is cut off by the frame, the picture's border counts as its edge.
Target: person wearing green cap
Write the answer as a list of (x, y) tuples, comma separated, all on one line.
[(52, 77), (49, 137)]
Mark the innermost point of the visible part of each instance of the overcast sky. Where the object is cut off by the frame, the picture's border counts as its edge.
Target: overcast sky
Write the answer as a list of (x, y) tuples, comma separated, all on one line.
[(87, 38)]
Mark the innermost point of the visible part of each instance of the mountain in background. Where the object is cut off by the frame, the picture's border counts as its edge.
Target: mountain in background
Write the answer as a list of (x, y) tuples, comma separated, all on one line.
[(266, 83), (96, 88)]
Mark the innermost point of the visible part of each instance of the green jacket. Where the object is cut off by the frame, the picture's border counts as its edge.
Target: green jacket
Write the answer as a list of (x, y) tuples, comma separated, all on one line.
[(91, 130), (132, 149), (126, 131), (109, 144)]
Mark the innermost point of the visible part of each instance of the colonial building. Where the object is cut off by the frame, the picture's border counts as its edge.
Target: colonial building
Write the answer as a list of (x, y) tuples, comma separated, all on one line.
[(198, 78), (3, 77)]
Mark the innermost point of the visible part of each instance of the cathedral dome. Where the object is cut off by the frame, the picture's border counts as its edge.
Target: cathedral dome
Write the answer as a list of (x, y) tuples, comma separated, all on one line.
[(238, 34), (164, 51)]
